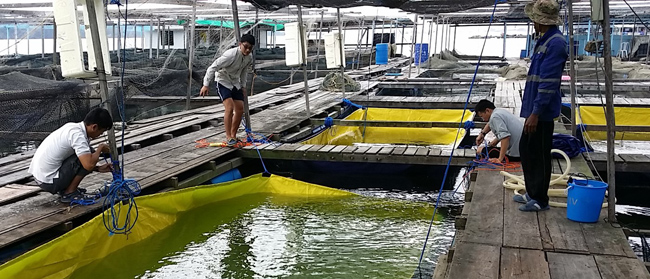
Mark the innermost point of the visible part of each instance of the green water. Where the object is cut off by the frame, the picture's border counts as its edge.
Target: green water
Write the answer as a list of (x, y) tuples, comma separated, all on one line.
[(258, 236)]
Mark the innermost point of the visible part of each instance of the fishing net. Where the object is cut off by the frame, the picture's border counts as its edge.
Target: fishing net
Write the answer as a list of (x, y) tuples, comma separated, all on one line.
[(32, 106), (335, 81)]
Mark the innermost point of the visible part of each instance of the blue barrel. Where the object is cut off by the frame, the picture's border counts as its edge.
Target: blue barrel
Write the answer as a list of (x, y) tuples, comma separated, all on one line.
[(381, 55), (226, 176), (585, 200), (523, 54), (421, 58)]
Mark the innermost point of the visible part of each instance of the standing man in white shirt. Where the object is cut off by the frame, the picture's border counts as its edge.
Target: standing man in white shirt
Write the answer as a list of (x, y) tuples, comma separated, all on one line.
[(65, 157), (231, 71)]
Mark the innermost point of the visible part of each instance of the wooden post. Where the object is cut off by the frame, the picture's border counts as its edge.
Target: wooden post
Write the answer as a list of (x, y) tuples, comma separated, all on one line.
[(15, 38), (430, 37), (114, 47), (572, 70), (235, 18), (342, 47), (421, 41), (401, 44), (455, 29), (611, 122), (304, 58), (135, 36), (191, 58), (101, 74), (527, 38), (372, 40), (320, 33)]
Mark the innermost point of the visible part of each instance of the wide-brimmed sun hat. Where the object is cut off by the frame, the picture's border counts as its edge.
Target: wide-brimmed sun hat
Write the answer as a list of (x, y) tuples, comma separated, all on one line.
[(546, 12)]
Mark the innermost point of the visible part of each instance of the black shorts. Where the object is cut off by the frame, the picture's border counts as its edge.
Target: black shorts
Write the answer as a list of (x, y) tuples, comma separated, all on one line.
[(225, 93), (70, 168)]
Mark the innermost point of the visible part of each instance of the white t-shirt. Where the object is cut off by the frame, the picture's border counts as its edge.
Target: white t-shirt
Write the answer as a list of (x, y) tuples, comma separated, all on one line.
[(70, 139)]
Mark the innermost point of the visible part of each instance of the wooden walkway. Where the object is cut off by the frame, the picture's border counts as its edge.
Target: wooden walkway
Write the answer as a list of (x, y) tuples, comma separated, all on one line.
[(496, 240), (160, 154)]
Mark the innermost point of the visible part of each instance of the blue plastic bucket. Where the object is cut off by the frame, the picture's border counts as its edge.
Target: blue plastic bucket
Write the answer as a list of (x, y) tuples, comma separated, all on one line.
[(523, 54), (381, 56), (585, 200), (226, 176), (420, 58)]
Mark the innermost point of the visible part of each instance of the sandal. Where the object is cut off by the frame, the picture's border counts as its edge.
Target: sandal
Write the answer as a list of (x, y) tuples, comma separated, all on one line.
[(78, 197)]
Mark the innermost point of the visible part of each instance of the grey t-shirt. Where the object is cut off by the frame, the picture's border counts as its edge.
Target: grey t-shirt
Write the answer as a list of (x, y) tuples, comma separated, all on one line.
[(505, 124)]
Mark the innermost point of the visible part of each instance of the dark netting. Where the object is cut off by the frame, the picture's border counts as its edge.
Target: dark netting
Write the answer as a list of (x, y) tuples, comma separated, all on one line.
[(31, 107)]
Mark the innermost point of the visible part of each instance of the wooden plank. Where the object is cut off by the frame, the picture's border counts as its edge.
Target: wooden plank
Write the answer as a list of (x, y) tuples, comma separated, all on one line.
[(560, 233), (520, 229), (374, 150), (361, 149), (398, 151), (386, 150), (602, 238), (12, 192), (349, 149), (288, 147), (485, 224), (327, 148), (435, 152), (338, 149), (304, 147), (422, 151), (565, 266), (523, 263), (410, 151), (475, 261), (613, 267)]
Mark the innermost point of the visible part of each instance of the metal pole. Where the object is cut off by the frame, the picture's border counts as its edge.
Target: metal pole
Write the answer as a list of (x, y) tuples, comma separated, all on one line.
[(235, 18), (611, 122), (168, 34), (401, 50), (191, 58), (359, 37), (101, 74), (42, 41), (505, 29), (572, 70), (435, 44), (304, 58), (415, 31), (620, 45), (527, 38), (114, 37), (320, 33), (430, 36), (119, 41), (28, 34), (372, 39), (455, 29), (159, 38), (55, 57), (275, 28), (381, 40), (135, 35), (15, 38), (629, 56), (151, 39), (142, 37), (340, 23), (421, 40), (255, 48), (9, 43)]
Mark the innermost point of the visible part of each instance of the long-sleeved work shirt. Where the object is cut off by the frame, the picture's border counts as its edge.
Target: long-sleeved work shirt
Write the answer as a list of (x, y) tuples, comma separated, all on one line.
[(231, 69), (542, 94)]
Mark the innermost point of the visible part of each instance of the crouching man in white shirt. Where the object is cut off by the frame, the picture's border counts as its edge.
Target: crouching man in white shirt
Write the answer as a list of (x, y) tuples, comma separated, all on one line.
[(65, 157)]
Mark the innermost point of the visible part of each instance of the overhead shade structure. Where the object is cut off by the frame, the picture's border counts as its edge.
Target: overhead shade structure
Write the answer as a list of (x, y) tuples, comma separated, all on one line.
[(421, 7), (349, 135), (625, 116)]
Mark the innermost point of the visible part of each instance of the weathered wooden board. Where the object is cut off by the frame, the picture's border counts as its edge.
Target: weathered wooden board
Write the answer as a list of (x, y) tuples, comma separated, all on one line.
[(523, 263)]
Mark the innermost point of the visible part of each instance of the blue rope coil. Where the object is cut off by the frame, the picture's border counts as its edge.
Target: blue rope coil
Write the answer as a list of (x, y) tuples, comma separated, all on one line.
[(347, 102), (469, 125), (329, 122)]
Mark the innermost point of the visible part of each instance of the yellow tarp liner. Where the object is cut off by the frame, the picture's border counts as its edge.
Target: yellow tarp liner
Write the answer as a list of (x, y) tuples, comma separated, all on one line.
[(625, 116), (348, 135), (60, 257)]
